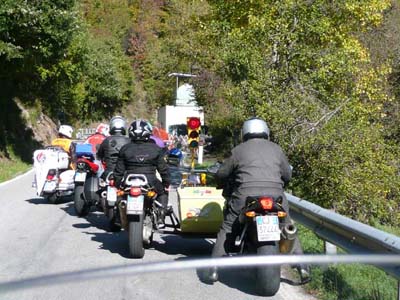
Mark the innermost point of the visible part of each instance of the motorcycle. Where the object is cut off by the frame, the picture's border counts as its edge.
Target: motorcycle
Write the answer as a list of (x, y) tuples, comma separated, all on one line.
[(108, 195), (86, 180), (52, 179), (138, 212), (175, 157), (263, 231)]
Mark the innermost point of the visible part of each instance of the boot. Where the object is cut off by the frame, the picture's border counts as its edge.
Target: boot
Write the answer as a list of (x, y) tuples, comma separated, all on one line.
[(304, 272), (210, 275)]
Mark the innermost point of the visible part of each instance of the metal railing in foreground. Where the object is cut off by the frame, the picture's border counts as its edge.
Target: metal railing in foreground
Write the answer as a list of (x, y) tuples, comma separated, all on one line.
[(163, 266), (352, 236)]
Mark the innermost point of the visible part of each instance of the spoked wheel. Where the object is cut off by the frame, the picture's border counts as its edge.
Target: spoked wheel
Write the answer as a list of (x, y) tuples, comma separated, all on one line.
[(135, 232), (81, 207), (268, 278)]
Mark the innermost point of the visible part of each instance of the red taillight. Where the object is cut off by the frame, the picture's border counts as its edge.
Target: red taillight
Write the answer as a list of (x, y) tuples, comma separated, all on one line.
[(266, 203), (135, 191), (50, 175)]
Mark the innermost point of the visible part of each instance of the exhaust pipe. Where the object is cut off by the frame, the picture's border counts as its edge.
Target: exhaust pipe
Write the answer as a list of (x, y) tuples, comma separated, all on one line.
[(289, 232), (103, 194), (122, 214)]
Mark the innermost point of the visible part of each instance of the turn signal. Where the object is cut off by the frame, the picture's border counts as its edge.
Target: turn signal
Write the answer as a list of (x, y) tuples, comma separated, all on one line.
[(250, 214), (266, 203), (135, 191), (120, 193), (189, 215), (151, 194), (282, 214)]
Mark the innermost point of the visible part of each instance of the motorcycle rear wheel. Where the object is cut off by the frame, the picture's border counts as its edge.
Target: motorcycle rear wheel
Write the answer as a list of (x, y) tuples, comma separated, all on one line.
[(268, 278), (135, 233), (52, 198), (81, 207)]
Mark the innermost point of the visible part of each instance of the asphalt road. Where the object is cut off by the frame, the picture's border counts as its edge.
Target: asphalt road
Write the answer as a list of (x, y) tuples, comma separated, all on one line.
[(37, 238)]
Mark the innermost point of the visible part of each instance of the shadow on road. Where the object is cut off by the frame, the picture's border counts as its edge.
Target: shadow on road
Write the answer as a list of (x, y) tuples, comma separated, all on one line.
[(190, 247), (40, 200), (115, 242)]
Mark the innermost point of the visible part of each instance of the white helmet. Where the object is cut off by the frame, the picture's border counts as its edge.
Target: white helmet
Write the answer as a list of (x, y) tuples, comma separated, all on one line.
[(103, 129), (255, 128), (66, 131)]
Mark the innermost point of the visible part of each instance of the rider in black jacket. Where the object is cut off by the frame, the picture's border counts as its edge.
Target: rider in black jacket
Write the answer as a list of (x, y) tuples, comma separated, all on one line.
[(142, 156), (255, 167), (110, 147)]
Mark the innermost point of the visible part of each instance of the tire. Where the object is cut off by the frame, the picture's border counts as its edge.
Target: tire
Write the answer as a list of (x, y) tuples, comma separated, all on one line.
[(81, 207), (52, 198), (135, 232), (268, 278), (111, 220)]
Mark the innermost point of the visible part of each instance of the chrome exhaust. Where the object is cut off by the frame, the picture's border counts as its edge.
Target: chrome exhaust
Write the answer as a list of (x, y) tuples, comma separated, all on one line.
[(289, 232), (122, 214), (103, 194)]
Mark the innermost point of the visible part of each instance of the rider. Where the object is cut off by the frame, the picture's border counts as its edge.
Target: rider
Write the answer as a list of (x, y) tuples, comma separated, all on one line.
[(63, 139), (257, 166), (102, 131), (110, 147), (144, 157)]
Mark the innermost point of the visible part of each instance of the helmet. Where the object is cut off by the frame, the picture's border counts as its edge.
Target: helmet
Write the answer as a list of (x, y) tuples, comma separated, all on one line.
[(103, 129), (255, 128), (117, 124), (66, 131), (140, 130)]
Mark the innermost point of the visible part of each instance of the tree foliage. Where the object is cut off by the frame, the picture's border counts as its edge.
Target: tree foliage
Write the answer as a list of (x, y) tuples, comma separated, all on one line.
[(299, 65), (48, 52)]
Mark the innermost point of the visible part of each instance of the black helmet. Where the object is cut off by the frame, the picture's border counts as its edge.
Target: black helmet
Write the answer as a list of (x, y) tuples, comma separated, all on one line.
[(255, 128), (140, 130), (117, 124)]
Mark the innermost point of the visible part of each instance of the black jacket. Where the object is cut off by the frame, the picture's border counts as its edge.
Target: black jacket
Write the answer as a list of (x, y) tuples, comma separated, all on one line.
[(109, 149), (141, 158), (255, 164)]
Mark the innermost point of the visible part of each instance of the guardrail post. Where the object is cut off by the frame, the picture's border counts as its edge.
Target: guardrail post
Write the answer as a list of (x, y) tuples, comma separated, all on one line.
[(398, 290)]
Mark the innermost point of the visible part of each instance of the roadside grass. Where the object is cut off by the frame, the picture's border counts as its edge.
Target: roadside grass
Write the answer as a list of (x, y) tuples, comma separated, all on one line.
[(346, 282), (10, 168)]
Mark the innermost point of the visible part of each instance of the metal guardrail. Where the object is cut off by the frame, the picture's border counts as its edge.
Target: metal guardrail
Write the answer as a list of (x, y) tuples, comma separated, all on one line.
[(352, 236)]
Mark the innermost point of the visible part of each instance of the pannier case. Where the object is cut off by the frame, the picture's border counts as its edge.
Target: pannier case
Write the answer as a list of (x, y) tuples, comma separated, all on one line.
[(84, 150), (200, 209)]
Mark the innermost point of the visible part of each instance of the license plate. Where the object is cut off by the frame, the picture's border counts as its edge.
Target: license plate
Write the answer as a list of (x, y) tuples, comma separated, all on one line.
[(49, 186), (80, 177), (111, 194), (135, 205), (268, 228)]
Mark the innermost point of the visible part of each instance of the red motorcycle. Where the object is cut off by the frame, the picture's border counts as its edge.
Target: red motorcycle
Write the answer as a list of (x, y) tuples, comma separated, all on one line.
[(86, 180)]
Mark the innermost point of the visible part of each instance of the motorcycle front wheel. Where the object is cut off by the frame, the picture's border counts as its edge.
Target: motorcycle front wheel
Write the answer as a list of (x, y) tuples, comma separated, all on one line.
[(268, 278), (81, 207), (135, 233), (112, 218)]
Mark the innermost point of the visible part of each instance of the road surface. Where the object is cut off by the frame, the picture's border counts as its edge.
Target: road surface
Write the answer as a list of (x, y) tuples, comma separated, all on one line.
[(38, 238)]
